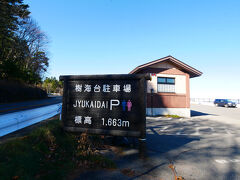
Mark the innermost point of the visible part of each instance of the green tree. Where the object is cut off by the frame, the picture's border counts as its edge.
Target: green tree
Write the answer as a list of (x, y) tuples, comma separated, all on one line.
[(23, 52), (12, 14), (52, 85)]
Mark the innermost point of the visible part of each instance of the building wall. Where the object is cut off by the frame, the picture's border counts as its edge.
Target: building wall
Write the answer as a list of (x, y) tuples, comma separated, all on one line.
[(166, 100), (180, 83), (182, 112), (177, 103)]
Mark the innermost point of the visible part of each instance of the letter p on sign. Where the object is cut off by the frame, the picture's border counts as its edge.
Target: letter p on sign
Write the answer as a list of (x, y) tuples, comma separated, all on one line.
[(114, 102)]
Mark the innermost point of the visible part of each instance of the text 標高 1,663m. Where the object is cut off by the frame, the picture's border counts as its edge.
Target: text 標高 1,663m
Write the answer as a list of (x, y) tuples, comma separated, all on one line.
[(115, 122)]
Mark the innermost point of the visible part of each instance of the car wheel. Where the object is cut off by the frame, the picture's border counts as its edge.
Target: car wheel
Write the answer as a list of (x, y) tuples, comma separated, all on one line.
[(216, 105), (226, 105)]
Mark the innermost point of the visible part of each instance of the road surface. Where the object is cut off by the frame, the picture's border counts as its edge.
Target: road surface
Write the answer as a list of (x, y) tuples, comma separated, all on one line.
[(221, 114), (20, 106), (205, 146)]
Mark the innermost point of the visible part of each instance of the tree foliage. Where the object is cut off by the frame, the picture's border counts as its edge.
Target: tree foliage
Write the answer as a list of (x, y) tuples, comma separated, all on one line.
[(23, 54), (52, 85)]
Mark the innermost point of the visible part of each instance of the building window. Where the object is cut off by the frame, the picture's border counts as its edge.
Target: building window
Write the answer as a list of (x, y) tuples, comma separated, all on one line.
[(166, 84)]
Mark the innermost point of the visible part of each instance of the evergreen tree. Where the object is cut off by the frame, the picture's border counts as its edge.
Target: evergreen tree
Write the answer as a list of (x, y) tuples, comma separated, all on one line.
[(23, 54), (12, 14)]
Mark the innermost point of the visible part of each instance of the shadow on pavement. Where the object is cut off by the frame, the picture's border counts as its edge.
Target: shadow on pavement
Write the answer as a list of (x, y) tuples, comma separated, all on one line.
[(194, 156), (198, 113), (164, 143)]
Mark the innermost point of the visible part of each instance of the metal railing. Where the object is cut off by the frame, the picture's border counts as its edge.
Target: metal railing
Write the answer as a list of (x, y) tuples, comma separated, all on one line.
[(210, 100), (17, 120)]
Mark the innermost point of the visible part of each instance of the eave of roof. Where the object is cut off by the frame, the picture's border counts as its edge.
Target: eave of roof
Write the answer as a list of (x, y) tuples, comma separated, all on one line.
[(191, 71)]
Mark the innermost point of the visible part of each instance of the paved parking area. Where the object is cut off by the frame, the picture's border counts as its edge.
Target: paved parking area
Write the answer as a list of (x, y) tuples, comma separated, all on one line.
[(224, 115), (190, 127), (203, 147)]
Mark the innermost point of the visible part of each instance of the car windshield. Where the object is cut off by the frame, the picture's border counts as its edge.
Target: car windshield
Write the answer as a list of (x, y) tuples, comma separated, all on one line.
[(229, 101)]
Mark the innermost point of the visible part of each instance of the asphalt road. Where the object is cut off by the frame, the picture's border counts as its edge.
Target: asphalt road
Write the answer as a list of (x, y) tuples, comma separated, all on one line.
[(20, 106), (221, 114), (203, 147)]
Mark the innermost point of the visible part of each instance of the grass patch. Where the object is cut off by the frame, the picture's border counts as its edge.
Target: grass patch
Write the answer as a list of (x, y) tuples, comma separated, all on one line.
[(50, 153), (172, 116)]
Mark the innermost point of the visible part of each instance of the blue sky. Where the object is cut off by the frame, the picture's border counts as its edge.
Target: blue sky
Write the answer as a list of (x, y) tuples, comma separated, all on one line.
[(115, 36)]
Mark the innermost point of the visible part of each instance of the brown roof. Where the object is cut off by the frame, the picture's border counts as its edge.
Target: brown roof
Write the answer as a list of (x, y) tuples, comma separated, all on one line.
[(182, 66)]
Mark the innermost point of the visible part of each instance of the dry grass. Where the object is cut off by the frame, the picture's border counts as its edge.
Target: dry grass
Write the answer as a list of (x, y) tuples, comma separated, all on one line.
[(50, 153)]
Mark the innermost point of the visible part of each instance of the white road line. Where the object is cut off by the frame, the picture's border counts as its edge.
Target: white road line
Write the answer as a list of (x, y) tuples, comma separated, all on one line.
[(235, 160), (164, 128), (224, 161), (196, 132), (221, 161), (227, 131), (179, 132)]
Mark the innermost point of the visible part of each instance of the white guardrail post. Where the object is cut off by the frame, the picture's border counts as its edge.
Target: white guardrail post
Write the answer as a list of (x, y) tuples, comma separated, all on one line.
[(17, 120)]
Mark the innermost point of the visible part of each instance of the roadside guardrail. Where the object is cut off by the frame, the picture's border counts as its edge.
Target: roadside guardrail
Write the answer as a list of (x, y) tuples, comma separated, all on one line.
[(17, 120)]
